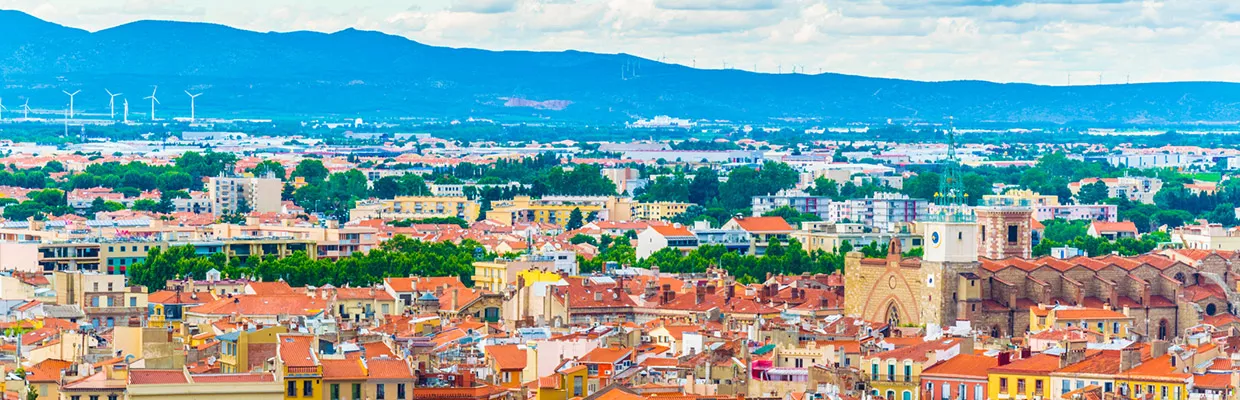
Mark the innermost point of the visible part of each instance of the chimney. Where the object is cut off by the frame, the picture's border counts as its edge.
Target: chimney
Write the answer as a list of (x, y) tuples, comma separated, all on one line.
[(454, 298), (1130, 357), (730, 292), (598, 296), (710, 289), (1005, 358), (1158, 348), (1075, 353), (700, 297)]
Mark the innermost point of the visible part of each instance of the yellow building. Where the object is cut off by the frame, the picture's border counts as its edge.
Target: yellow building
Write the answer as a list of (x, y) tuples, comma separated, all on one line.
[(178, 384), (116, 257), (235, 347), (1110, 324), (532, 276), (1025, 378), (418, 207), (497, 275), (659, 211), (1020, 197), (1163, 377), (297, 365), (558, 210), (567, 384), (896, 374), (491, 275)]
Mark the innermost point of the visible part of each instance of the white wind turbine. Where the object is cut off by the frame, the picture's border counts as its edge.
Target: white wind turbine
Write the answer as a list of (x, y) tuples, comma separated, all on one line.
[(191, 104), (2, 109), (112, 102), (153, 100), (71, 95), (126, 111), (26, 110)]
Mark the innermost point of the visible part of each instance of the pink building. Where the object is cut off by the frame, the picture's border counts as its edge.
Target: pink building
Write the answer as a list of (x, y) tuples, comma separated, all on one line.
[(962, 377)]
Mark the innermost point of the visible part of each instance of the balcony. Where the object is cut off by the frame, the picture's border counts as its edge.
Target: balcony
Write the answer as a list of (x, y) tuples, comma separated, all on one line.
[(313, 370)]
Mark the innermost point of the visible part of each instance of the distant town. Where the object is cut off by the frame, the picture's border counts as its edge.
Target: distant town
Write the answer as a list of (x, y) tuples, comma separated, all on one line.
[(725, 262)]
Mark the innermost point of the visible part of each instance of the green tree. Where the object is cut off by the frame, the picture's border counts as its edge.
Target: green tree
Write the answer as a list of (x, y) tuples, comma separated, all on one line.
[(574, 220), (1093, 193), (311, 170), (271, 167)]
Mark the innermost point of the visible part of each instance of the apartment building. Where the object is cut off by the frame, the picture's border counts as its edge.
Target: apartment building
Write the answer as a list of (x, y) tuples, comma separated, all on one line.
[(1138, 189), (829, 236), (886, 210), (227, 195), (796, 199), (417, 207)]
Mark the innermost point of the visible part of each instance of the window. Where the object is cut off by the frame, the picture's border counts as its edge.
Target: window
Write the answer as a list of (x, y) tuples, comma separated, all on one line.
[(1013, 233), (891, 371), (1020, 386), (1037, 386), (1067, 386), (292, 389), (400, 391), (874, 370), (577, 386), (307, 388), (930, 387), (335, 391), (908, 372), (94, 397), (133, 301), (977, 392), (1106, 387), (380, 392), (112, 397), (357, 391), (1003, 385), (960, 391), (75, 397), (947, 391), (1115, 327)]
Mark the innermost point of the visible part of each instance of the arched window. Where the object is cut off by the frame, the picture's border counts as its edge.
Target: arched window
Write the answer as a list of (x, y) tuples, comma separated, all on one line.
[(1162, 329), (995, 331), (1179, 276), (891, 395), (907, 395), (893, 315)]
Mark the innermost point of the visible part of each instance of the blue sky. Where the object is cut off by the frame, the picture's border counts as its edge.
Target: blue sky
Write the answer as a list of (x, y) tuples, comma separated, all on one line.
[(1001, 40)]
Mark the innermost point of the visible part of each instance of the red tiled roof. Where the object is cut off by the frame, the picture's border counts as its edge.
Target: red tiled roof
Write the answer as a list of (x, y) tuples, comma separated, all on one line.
[(47, 370), (343, 370), (297, 350), (270, 288), (507, 356), (1036, 364), (388, 368), (915, 352), (156, 376), (262, 305), (963, 365), (1088, 313), (606, 355), (1106, 226), (672, 230), (405, 285), (763, 224), (233, 378)]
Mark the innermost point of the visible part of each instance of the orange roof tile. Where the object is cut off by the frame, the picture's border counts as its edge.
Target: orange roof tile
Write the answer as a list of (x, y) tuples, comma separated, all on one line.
[(672, 230), (963, 365), (388, 368), (763, 224), (1038, 364), (507, 356), (1106, 226), (1088, 313), (156, 376), (342, 370), (297, 350)]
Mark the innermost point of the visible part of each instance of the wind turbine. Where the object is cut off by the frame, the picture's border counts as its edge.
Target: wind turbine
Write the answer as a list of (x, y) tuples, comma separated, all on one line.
[(127, 111), (112, 101), (191, 104), (2, 109), (71, 95), (153, 100), (26, 110)]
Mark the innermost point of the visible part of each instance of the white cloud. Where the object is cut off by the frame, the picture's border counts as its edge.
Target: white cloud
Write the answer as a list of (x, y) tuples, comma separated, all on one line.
[(1040, 41)]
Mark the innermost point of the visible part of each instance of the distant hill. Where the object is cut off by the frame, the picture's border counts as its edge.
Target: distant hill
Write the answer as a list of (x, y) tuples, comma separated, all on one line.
[(369, 74)]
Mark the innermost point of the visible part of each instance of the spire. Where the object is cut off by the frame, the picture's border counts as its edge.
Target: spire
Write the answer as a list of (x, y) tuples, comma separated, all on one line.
[(951, 198)]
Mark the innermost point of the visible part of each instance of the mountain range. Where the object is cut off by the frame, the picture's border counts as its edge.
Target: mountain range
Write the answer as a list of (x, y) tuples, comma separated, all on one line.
[(353, 73)]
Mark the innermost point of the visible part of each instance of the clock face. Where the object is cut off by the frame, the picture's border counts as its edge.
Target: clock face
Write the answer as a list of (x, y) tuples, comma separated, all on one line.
[(935, 239)]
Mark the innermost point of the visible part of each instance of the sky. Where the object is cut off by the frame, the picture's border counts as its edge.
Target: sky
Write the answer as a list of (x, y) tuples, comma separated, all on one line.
[(1053, 42)]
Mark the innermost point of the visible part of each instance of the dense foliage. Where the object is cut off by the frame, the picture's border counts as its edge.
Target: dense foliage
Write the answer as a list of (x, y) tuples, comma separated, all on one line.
[(399, 256)]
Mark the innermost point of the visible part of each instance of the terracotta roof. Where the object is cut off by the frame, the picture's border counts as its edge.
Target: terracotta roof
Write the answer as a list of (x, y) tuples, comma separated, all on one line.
[(175, 297), (262, 305), (606, 355), (297, 350), (763, 224), (673, 230), (613, 392), (388, 368), (233, 378), (1103, 362), (270, 288), (1106, 226), (916, 352), (156, 376), (343, 370), (1088, 313), (403, 285), (47, 370), (1038, 364), (1156, 369), (507, 356), (963, 365), (1212, 381)]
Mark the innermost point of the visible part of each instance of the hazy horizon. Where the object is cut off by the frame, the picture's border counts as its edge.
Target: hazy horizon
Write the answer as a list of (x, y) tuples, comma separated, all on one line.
[(1041, 42)]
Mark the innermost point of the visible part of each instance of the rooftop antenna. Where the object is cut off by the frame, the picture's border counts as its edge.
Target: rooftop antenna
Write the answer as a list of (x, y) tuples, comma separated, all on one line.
[(191, 104), (71, 95), (153, 100), (26, 110), (112, 102)]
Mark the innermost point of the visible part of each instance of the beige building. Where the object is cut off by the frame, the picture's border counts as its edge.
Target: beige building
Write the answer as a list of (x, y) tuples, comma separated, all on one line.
[(828, 236), (558, 210), (417, 207), (658, 211), (1020, 197), (1207, 237), (260, 194)]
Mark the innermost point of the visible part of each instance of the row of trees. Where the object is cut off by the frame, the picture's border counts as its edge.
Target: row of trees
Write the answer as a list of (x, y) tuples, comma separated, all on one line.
[(399, 256)]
